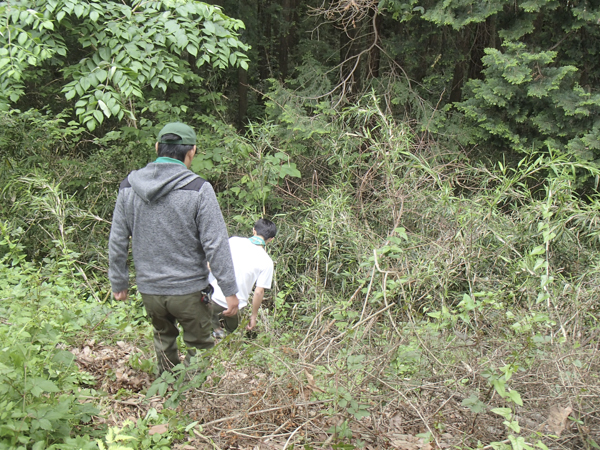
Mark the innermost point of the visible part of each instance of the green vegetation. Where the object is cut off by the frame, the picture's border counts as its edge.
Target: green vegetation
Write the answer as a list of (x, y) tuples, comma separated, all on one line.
[(437, 265)]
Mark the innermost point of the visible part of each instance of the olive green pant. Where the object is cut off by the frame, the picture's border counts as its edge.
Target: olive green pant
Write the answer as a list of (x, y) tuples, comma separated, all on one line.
[(191, 313), (231, 323)]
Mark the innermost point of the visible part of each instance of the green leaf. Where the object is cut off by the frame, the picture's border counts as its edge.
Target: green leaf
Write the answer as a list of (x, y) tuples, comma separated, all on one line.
[(41, 445), (101, 75), (45, 424), (504, 412), (152, 390), (499, 386), (104, 54), (401, 231), (45, 385), (209, 27), (114, 106), (359, 414), (85, 83), (540, 249), (182, 39), (518, 443), (118, 75), (515, 397), (107, 112), (474, 404), (513, 425), (289, 169), (192, 50), (22, 38), (590, 441), (78, 10), (98, 115)]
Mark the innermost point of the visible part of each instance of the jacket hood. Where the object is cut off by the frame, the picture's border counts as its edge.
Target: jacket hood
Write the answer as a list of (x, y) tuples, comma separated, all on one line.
[(158, 179)]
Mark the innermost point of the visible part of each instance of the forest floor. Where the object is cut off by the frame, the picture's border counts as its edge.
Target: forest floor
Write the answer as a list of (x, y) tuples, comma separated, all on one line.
[(441, 396)]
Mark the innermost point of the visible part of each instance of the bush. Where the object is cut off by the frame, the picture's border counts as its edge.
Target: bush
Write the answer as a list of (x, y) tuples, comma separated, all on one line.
[(41, 401)]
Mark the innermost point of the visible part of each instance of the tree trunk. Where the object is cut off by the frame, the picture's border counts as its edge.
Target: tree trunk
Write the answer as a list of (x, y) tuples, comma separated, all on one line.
[(461, 67), (457, 82), (264, 19), (288, 34), (350, 67), (478, 46), (375, 42), (243, 97)]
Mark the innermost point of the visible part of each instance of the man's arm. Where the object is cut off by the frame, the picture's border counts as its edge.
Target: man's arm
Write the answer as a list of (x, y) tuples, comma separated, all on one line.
[(118, 249), (232, 306), (215, 243), (257, 300)]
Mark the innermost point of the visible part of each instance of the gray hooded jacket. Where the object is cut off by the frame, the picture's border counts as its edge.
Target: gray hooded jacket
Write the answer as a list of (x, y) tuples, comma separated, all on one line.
[(175, 224)]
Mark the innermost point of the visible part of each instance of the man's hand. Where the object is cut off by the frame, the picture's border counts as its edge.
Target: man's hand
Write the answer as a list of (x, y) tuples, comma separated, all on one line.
[(120, 295), (232, 306), (252, 323)]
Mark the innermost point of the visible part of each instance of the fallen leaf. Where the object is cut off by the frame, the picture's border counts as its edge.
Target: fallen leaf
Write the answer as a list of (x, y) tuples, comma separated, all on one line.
[(158, 429), (311, 381), (557, 419), (396, 423), (405, 442)]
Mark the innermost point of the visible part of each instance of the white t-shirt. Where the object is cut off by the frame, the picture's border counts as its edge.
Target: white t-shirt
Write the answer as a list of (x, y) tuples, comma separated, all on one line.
[(252, 265)]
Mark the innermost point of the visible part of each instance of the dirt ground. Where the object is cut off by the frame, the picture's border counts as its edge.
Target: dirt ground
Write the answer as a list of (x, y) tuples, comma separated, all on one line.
[(254, 408)]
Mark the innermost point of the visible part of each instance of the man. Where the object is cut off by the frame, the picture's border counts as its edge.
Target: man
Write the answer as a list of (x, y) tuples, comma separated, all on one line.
[(176, 226), (252, 265)]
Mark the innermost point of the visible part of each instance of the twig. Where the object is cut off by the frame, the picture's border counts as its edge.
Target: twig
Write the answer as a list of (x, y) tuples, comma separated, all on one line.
[(442, 405), (366, 296), (85, 278), (294, 432), (495, 444), (354, 327), (319, 314), (217, 393), (414, 408), (207, 439), (253, 413), (102, 320), (386, 302)]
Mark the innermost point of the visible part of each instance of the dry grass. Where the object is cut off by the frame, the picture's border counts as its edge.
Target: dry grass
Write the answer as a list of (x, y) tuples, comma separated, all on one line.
[(291, 399)]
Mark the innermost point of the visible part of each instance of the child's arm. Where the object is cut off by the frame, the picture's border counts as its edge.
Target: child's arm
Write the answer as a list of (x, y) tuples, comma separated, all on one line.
[(257, 299)]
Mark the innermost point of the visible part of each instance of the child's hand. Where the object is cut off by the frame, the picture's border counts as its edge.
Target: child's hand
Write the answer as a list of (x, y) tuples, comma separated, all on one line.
[(252, 323)]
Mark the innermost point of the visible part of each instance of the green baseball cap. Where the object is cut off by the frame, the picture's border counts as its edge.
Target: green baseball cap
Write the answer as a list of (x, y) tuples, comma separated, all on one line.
[(187, 134)]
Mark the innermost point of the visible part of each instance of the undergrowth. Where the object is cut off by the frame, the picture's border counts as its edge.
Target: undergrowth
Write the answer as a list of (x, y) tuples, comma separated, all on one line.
[(421, 300)]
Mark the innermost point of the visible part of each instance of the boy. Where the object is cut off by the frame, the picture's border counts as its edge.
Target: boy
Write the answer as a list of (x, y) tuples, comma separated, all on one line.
[(252, 266)]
